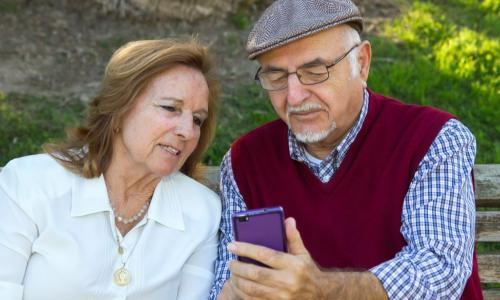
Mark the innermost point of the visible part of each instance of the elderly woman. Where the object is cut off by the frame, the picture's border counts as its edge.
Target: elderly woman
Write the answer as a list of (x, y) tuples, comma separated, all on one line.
[(114, 212)]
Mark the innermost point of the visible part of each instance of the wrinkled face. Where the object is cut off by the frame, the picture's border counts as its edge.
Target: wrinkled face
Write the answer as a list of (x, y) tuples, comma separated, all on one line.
[(324, 111), (163, 127)]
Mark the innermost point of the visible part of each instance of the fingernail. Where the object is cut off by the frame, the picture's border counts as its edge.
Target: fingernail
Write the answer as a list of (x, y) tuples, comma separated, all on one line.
[(231, 247)]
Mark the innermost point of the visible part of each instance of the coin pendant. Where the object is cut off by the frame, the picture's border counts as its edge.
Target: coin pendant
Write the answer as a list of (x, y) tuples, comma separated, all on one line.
[(122, 276)]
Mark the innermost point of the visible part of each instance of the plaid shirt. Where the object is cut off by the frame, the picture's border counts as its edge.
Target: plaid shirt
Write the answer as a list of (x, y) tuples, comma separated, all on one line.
[(438, 215)]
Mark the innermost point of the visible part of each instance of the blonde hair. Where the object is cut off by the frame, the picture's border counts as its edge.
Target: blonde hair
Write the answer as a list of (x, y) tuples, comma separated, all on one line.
[(88, 148)]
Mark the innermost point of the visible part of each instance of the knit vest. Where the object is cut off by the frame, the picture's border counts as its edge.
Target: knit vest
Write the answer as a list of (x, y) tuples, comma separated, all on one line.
[(354, 220)]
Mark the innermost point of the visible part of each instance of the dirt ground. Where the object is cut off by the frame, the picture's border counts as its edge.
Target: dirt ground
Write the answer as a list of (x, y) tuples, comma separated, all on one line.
[(60, 47)]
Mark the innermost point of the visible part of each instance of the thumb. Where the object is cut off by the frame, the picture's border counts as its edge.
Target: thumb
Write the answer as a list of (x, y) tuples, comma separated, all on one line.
[(295, 244)]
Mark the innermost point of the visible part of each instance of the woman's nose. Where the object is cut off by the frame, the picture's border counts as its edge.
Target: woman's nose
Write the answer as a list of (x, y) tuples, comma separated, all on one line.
[(185, 126)]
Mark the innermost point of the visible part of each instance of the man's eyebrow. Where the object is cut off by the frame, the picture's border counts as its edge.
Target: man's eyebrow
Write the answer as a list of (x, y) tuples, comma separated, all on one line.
[(315, 62), (272, 69)]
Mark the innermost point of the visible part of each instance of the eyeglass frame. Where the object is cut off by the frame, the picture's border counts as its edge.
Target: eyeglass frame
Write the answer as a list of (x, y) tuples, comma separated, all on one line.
[(335, 62)]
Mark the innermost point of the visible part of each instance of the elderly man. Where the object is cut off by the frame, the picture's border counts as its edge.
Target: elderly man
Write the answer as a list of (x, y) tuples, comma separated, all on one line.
[(380, 191)]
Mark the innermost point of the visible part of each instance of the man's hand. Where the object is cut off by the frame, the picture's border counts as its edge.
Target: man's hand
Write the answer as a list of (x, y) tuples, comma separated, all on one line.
[(228, 292), (293, 275)]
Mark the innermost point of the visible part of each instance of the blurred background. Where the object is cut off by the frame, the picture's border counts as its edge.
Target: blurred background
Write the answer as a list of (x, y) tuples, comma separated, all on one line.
[(53, 54)]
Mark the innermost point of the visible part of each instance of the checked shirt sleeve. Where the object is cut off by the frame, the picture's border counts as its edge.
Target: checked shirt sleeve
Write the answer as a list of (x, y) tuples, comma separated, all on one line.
[(437, 223), (232, 201)]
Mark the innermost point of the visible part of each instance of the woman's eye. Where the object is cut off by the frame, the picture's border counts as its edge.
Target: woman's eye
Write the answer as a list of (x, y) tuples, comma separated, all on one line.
[(168, 108), (197, 121)]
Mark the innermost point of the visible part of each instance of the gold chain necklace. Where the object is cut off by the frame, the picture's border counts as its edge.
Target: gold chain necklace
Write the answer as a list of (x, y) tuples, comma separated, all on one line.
[(122, 276)]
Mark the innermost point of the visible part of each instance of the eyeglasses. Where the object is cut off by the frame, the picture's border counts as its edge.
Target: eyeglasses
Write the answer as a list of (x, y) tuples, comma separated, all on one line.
[(309, 74)]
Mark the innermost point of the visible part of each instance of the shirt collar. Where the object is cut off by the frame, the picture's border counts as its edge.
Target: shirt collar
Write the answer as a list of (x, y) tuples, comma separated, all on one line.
[(297, 150), (90, 196), (166, 207)]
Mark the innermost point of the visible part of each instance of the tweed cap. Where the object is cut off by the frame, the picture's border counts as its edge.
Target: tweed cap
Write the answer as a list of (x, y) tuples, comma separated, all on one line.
[(288, 20)]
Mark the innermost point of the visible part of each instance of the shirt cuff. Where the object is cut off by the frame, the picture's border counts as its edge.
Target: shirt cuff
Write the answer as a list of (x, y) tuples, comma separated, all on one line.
[(400, 280)]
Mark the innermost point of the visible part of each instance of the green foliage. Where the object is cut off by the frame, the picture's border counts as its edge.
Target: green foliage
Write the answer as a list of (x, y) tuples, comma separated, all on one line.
[(29, 121), (242, 109), (241, 19), (9, 6), (427, 57), (232, 40), (423, 25), (443, 53), (487, 247), (489, 5), (469, 55)]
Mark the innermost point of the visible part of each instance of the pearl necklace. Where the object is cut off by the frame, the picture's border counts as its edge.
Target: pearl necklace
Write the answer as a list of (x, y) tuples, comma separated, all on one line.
[(120, 218)]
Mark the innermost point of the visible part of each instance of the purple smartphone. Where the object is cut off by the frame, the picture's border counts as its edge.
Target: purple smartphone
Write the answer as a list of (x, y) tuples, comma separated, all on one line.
[(263, 226)]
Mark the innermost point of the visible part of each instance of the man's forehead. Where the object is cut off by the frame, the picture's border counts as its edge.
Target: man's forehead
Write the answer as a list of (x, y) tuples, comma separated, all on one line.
[(288, 62), (319, 47)]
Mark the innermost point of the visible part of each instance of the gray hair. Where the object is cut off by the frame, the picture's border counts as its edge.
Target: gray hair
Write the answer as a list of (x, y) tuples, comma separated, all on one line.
[(352, 37)]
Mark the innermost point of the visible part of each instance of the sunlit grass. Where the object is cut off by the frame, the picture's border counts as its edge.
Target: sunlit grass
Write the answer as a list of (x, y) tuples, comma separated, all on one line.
[(453, 66)]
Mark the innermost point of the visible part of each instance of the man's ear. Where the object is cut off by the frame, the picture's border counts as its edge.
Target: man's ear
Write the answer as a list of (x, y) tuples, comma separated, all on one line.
[(364, 59)]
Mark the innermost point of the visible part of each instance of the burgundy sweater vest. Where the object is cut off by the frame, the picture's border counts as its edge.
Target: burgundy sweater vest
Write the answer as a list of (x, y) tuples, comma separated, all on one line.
[(354, 220)]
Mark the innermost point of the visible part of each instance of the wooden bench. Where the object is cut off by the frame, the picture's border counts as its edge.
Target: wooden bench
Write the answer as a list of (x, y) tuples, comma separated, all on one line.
[(487, 180)]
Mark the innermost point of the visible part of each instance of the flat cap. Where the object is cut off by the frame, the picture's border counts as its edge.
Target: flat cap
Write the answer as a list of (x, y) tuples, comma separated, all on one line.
[(288, 20)]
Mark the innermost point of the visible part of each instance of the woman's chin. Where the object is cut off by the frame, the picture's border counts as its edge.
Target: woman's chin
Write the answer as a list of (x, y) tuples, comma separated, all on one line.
[(163, 172)]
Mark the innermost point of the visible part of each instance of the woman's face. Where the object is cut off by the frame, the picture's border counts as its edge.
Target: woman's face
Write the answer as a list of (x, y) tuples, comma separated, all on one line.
[(163, 128)]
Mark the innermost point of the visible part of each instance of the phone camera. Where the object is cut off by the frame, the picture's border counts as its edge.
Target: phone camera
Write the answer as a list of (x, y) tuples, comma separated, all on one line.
[(243, 218)]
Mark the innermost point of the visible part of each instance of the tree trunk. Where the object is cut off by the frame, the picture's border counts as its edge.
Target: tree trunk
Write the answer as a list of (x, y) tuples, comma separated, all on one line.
[(188, 10)]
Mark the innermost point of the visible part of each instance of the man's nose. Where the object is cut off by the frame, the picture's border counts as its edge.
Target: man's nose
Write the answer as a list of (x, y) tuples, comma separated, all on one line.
[(297, 92)]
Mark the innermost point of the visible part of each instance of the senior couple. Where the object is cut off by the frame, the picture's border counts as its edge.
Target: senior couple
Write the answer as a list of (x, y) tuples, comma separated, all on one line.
[(378, 194)]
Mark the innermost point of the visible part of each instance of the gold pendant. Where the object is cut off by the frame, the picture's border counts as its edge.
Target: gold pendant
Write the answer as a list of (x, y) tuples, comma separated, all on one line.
[(122, 276)]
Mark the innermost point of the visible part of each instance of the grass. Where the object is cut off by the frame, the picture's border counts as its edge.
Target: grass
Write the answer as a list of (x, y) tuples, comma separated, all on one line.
[(9, 6), (28, 121), (241, 19), (243, 108), (439, 53), (446, 54)]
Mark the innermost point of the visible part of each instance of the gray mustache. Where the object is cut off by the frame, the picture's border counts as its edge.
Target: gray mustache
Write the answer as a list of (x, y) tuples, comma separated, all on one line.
[(305, 107)]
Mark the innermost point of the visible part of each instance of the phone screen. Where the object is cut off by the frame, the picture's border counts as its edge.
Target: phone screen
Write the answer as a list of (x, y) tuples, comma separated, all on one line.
[(263, 226)]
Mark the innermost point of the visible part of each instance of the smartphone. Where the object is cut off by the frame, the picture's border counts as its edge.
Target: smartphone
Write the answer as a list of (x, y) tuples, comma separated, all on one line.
[(263, 226)]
